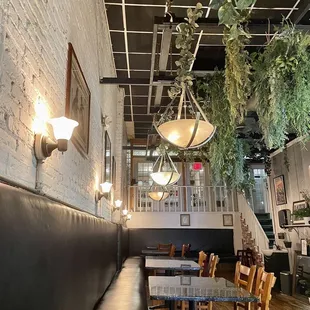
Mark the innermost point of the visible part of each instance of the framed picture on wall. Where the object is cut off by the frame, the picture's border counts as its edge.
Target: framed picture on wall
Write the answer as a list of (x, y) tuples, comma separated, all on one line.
[(297, 205), (279, 189), (107, 177), (185, 220), (228, 220), (78, 102)]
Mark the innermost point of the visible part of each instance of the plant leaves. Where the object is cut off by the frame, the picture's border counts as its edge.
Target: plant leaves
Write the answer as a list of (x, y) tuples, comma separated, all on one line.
[(244, 4), (216, 4), (227, 14)]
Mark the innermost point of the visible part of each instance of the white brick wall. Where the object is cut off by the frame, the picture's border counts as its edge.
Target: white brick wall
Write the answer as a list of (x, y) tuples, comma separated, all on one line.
[(34, 38)]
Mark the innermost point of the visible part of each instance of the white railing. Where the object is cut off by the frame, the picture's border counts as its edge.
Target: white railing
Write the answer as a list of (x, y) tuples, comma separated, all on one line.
[(257, 231), (184, 199)]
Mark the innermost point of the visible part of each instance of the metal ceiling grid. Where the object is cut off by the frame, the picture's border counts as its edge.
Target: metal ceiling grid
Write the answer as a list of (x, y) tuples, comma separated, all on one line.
[(131, 24)]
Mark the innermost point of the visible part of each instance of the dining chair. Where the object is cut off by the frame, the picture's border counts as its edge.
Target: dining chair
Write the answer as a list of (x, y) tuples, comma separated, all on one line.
[(164, 247), (202, 259), (185, 249), (244, 277), (264, 283), (213, 266), (172, 250)]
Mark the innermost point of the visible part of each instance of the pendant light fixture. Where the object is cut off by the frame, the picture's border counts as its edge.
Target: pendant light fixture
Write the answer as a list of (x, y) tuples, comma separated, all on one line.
[(189, 128), (158, 193), (164, 170)]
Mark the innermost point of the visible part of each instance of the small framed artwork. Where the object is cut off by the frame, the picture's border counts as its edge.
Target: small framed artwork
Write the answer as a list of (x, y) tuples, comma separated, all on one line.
[(78, 102), (279, 189), (185, 220), (185, 280), (228, 220), (297, 205), (107, 160)]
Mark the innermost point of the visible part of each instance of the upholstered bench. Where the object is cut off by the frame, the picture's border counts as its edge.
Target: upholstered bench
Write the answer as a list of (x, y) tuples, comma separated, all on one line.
[(127, 290)]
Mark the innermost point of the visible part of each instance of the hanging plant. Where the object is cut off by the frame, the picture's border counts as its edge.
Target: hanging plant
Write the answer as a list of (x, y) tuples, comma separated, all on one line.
[(184, 42), (225, 152), (282, 86), (233, 14)]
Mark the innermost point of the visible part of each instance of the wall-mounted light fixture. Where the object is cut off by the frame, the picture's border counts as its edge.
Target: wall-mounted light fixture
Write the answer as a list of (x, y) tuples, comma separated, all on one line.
[(63, 128), (125, 212), (105, 190), (128, 217), (117, 204)]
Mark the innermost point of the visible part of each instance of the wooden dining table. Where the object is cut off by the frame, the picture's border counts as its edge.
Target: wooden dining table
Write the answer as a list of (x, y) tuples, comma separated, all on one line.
[(196, 289)]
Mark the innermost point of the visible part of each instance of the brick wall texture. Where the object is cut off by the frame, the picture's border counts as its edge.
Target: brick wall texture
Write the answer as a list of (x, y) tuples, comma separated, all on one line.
[(34, 38)]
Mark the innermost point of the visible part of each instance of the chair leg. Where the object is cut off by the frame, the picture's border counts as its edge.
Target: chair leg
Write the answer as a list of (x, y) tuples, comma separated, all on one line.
[(210, 305), (247, 306), (235, 306)]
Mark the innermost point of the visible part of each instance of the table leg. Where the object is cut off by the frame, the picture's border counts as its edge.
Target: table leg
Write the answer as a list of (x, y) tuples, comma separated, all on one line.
[(192, 305), (171, 304)]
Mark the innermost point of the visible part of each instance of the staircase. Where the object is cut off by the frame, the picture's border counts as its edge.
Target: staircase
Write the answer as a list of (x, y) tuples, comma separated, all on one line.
[(266, 223)]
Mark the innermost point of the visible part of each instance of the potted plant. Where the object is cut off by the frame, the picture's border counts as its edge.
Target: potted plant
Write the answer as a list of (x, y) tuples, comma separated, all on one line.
[(305, 212)]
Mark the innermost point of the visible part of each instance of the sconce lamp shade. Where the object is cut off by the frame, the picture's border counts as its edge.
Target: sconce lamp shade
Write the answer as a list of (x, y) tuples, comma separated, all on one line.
[(129, 217), (63, 127), (189, 128), (125, 212), (106, 187), (118, 203)]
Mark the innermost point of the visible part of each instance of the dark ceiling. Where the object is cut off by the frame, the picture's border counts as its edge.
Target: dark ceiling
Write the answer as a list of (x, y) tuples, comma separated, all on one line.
[(135, 35)]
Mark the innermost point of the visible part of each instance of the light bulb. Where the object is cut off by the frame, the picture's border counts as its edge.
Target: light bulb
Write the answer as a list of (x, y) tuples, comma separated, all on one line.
[(129, 217), (63, 127), (118, 203), (106, 187), (125, 212)]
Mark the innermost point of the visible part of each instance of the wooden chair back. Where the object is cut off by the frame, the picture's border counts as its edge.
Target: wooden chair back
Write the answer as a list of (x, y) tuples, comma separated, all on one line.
[(172, 251), (185, 249), (244, 276), (212, 266), (164, 247), (264, 283), (202, 261)]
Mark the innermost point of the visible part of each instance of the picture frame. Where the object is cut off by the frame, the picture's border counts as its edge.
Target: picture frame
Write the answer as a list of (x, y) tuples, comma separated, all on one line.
[(185, 220), (300, 204), (107, 176), (228, 220), (78, 99), (279, 189)]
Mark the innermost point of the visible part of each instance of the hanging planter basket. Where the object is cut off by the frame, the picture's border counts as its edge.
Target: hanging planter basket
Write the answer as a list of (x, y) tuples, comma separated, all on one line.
[(189, 128), (164, 170), (158, 193)]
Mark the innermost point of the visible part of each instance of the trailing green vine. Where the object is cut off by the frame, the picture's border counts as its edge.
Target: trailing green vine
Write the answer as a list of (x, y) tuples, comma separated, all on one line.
[(233, 14), (183, 42), (282, 86)]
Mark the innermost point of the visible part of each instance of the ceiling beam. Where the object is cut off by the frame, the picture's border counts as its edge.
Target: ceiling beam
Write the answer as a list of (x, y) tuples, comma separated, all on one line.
[(163, 60), (303, 8), (160, 79)]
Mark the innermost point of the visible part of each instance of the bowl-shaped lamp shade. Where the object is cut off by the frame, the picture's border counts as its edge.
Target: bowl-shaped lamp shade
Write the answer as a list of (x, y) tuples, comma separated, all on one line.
[(63, 127), (158, 196), (181, 132), (165, 178), (129, 217), (118, 203), (125, 212), (106, 187)]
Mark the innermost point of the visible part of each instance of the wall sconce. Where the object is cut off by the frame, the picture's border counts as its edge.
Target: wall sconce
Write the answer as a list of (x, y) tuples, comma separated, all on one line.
[(118, 204), (63, 128), (105, 190), (128, 217)]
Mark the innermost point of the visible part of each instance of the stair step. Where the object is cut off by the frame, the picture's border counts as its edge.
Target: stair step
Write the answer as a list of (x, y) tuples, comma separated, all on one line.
[(267, 228), (265, 221), (263, 216), (269, 234)]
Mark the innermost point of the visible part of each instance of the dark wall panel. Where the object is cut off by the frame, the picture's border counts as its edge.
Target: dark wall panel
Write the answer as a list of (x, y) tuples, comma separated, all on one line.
[(52, 257), (215, 240)]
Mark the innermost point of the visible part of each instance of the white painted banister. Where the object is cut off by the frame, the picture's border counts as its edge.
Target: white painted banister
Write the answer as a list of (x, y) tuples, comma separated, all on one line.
[(257, 231), (184, 199)]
